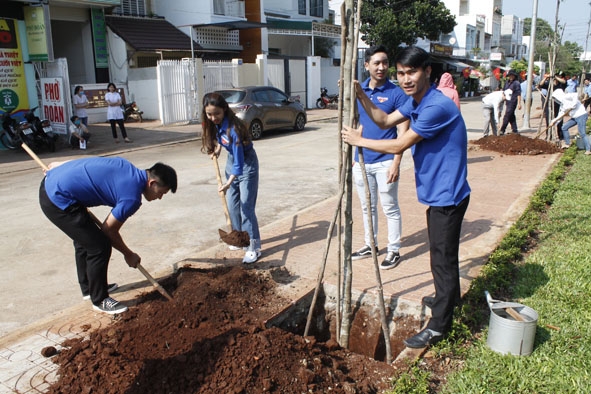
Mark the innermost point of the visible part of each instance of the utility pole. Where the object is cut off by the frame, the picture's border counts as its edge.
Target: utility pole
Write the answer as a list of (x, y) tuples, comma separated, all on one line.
[(581, 84), (530, 66)]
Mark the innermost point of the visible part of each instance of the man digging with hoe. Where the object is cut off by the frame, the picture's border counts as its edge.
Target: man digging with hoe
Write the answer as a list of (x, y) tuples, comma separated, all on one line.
[(69, 188)]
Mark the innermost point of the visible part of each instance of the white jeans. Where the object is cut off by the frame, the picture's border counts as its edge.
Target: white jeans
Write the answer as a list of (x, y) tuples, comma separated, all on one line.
[(377, 174)]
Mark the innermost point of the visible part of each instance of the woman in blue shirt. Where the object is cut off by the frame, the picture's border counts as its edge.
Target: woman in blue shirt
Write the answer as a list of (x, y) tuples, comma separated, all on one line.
[(221, 128)]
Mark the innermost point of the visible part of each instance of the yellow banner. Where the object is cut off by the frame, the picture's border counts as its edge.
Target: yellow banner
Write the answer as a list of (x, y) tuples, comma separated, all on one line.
[(13, 86), (36, 34)]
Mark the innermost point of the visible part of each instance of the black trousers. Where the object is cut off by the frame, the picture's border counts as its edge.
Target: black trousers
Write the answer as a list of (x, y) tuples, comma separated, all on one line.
[(121, 126), (92, 247), (509, 118), (444, 225)]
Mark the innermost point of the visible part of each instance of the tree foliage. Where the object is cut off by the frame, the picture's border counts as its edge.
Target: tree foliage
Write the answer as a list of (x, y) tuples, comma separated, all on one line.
[(394, 23), (544, 31)]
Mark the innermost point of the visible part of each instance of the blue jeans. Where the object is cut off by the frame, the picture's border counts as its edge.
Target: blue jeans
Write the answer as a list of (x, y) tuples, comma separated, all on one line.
[(242, 197), (377, 175), (581, 123)]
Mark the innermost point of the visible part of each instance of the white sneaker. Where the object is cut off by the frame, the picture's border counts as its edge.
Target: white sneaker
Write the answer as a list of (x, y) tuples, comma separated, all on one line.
[(251, 256), (232, 247)]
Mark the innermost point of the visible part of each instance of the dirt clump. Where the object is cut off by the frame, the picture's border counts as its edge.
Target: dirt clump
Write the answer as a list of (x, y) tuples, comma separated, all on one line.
[(211, 338), (516, 144)]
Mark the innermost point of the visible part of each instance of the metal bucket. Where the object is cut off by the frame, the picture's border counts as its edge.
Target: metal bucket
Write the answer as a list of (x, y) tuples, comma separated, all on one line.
[(507, 335)]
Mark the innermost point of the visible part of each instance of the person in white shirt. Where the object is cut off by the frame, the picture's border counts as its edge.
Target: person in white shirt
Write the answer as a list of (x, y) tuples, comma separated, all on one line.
[(114, 112), (570, 104), (79, 134), (492, 104), (80, 104)]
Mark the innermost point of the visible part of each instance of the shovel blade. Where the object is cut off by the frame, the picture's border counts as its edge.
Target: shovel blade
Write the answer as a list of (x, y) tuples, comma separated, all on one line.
[(240, 239)]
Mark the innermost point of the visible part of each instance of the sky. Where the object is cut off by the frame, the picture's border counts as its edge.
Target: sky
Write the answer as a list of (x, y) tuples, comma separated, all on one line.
[(575, 13)]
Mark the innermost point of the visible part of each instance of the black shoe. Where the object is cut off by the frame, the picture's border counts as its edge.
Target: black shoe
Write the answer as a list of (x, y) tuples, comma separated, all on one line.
[(110, 288), (392, 260), (362, 253), (428, 301), (423, 339), (110, 306)]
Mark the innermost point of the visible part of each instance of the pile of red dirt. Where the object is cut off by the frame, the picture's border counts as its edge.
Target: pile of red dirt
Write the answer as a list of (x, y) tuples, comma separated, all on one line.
[(516, 144), (211, 338)]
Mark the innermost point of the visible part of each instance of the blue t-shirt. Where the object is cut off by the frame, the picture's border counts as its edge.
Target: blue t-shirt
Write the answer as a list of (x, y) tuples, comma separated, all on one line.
[(388, 98), (113, 182), (441, 157), (233, 145)]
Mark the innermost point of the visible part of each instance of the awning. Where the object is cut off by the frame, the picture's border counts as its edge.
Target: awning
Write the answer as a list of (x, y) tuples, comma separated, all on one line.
[(235, 25), (150, 34), (452, 62)]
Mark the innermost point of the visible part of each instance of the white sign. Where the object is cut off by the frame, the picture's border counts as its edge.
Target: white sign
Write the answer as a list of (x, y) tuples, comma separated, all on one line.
[(496, 56), (53, 101)]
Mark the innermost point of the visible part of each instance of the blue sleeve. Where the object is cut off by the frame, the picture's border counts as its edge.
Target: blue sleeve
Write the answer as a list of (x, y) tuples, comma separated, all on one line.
[(125, 208), (434, 119)]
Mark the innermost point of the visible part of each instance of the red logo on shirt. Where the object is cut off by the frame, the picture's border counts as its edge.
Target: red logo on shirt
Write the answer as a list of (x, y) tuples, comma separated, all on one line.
[(382, 99), (225, 140)]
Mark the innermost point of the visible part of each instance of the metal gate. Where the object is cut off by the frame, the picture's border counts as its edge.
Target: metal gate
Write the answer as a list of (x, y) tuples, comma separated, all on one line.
[(219, 75), (177, 91)]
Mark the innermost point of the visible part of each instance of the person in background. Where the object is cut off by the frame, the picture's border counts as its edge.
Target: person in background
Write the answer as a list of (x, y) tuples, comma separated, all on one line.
[(222, 129), (69, 188), (448, 88), (78, 132), (586, 94), (439, 142), (511, 105), (80, 104), (523, 87), (571, 105), (572, 84), (492, 105), (114, 112), (382, 170)]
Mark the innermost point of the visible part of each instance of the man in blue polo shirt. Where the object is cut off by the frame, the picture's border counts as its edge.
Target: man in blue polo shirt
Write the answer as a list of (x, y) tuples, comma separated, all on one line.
[(69, 188), (438, 140), (382, 169)]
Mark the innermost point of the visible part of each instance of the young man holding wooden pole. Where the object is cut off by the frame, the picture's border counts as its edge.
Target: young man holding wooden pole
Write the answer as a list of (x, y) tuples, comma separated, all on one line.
[(438, 138)]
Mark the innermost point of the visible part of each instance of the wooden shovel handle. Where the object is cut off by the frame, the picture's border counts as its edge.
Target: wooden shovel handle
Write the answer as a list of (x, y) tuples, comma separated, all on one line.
[(222, 194)]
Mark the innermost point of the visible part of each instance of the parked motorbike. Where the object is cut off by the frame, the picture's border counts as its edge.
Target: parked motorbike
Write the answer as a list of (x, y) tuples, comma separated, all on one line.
[(27, 135), (42, 131), (10, 135), (327, 99), (132, 112)]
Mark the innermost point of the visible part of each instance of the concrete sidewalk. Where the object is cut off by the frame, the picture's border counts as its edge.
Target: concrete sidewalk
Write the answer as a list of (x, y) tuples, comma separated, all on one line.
[(501, 187)]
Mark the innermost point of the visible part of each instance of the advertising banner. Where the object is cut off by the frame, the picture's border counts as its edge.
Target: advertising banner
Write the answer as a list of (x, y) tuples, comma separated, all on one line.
[(36, 34), (99, 37), (13, 86), (54, 105)]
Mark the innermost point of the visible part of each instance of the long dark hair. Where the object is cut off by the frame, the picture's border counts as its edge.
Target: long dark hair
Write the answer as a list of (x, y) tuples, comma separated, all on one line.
[(209, 133)]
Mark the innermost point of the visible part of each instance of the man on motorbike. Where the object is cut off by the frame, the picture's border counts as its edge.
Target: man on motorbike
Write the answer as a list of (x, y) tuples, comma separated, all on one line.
[(69, 188)]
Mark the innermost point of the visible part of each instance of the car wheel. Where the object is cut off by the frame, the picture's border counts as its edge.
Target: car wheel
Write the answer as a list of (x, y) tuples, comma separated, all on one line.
[(300, 122), (256, 129)]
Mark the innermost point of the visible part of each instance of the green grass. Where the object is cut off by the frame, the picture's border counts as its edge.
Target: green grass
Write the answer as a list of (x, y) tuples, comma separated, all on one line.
[(554, 278)]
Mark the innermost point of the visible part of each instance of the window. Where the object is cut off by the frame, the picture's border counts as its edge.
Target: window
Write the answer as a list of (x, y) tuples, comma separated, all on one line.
[(219, 7), (302, 7), (316, 8), (131, 8)]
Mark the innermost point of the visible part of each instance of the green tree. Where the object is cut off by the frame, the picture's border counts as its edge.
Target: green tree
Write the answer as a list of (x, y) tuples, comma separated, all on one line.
[(544, 31), (394, 22)]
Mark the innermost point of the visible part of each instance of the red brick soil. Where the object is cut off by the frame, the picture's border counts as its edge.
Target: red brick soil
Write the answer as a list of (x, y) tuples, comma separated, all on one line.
[(211, 339)]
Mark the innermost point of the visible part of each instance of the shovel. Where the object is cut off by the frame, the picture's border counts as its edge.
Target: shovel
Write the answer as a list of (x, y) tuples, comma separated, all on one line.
[(98, 223), (236, 238)]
